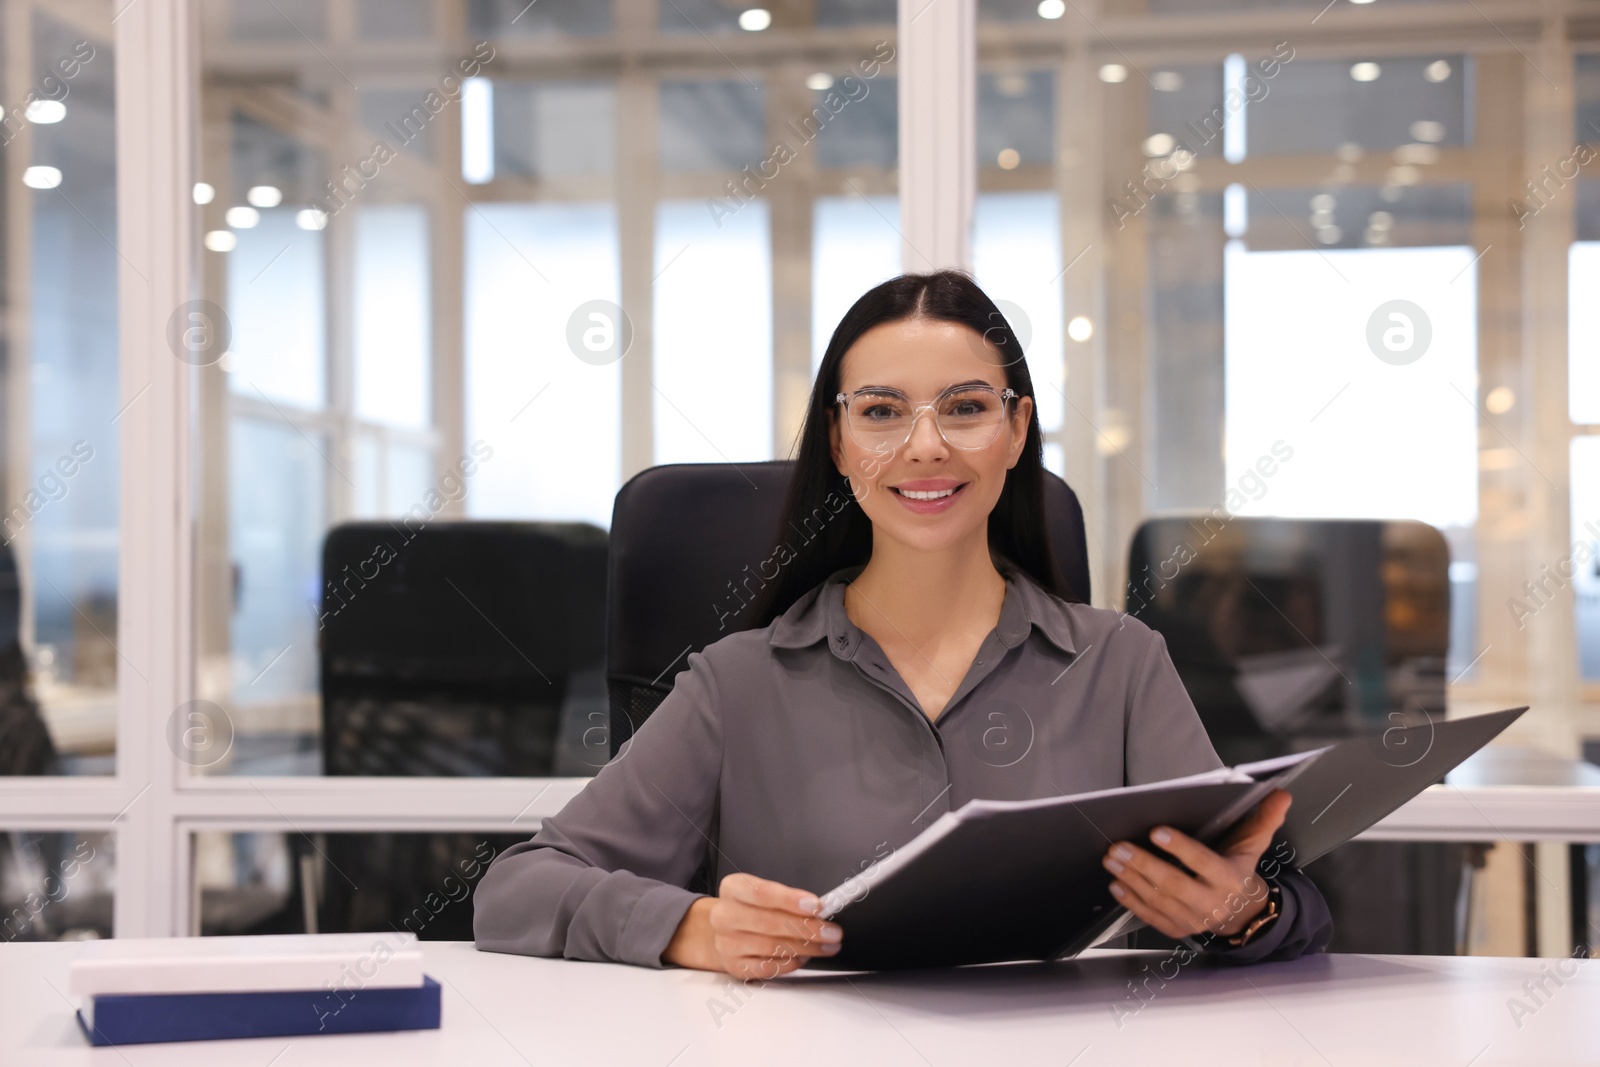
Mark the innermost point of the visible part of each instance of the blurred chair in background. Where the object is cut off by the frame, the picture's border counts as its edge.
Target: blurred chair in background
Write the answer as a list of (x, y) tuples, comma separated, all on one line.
[(452, 649), (473, 648), (1290, 634), (25, 745)]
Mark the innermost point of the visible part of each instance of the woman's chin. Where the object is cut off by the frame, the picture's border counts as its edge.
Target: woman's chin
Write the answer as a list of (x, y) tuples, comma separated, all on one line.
[(938, 535)]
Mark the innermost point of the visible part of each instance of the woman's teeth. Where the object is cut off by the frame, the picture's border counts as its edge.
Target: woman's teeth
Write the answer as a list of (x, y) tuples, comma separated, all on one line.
[(929, 495)]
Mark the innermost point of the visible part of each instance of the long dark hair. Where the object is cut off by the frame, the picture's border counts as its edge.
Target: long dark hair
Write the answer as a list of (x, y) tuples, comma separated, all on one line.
[(825, 517)]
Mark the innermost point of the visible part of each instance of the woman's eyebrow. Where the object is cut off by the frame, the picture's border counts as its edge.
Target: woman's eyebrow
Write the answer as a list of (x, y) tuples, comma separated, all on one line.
[(902, 392)]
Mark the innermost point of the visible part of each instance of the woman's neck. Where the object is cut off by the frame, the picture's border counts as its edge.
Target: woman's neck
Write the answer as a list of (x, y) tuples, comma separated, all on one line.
[(924, 595)]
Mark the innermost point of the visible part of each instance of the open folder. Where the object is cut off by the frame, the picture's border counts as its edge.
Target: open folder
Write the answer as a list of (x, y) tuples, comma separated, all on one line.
[(1002, 880)]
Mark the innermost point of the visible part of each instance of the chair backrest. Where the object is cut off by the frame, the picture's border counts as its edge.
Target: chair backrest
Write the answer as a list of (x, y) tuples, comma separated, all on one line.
[(25, 743), (1290, 630), (687, 539), (454, 648)]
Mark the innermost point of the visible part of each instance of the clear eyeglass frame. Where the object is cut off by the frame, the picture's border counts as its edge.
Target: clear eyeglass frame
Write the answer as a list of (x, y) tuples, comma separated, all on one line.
[(883, 444)]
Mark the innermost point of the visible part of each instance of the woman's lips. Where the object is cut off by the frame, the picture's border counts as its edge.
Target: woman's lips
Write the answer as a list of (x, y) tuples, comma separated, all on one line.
[(929, 507)]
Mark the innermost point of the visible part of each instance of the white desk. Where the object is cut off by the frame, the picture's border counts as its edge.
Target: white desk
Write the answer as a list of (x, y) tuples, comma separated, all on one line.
[(1328, 1011)]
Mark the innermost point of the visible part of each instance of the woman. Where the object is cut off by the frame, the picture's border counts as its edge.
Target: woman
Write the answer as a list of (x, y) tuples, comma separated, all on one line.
[(920, 650)]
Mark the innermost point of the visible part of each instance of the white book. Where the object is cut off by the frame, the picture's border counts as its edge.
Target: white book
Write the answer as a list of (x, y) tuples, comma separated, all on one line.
[(258, 964)]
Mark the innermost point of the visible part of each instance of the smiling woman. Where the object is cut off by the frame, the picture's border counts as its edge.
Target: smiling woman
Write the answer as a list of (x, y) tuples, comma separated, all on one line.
[(857, 705)]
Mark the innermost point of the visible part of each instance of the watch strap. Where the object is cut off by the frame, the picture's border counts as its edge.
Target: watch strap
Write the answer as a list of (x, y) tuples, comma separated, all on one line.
[(1268, 916)]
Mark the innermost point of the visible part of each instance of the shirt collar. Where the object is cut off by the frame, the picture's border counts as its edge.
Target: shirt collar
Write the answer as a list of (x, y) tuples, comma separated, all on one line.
[(820, 613)]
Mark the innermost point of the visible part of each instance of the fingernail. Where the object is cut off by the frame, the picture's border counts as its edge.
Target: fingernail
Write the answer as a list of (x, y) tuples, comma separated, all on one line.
[(830, 949), (1122, 852), (1160, 835), (831, 933), (1113, 866), (1117, 891), (809, 904)]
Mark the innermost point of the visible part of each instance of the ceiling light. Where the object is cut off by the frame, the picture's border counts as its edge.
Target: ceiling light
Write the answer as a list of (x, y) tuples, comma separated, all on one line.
[(1158, 144), (1365, 72), (264, 195), (755, 18), (46, 111), (1427, 130), (1011, 84), (41, 177)]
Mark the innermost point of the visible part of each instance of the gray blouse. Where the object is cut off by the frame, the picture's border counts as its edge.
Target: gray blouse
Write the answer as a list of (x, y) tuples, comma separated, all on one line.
[(796, 753)]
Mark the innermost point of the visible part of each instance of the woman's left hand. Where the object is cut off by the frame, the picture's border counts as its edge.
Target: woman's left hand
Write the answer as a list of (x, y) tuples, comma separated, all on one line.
[(1222, 895)]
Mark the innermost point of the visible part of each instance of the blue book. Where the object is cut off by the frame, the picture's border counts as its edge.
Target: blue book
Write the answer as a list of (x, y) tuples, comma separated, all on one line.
[(140, 1018)]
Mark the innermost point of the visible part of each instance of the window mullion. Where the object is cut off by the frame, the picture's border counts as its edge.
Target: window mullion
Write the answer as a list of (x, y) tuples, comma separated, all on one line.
[(936, 62)]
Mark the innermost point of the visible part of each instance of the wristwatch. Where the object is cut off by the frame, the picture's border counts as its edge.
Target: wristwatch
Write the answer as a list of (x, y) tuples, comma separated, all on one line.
[(1268, 916)]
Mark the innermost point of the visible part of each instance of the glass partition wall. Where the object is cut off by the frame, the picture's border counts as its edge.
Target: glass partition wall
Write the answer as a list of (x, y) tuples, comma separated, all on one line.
[(484, 262), (390, 266)]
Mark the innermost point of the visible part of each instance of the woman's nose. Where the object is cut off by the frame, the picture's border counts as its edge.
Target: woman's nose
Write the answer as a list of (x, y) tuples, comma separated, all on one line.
[(925, 439)]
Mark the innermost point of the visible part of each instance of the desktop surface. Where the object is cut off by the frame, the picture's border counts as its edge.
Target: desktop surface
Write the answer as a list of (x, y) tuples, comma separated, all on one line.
[(499, 1009)]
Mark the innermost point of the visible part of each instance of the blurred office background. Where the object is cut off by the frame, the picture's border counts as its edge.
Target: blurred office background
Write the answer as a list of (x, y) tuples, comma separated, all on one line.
[(1325, 272)]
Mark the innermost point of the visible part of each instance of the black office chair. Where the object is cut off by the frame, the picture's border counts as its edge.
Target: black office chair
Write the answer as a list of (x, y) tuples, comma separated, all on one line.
[(461, 654), (682, 535), (454, 649), (28, 856), (1294, 633), (25, 744)]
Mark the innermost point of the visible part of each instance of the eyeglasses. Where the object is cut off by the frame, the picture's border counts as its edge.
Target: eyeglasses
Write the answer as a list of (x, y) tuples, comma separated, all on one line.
[(968, 417)]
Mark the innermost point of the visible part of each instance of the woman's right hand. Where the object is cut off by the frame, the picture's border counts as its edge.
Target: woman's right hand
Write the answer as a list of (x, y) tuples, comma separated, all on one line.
[(753, 928)]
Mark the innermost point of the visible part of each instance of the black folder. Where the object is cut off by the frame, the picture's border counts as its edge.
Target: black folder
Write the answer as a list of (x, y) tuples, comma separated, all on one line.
[(1002, 880)]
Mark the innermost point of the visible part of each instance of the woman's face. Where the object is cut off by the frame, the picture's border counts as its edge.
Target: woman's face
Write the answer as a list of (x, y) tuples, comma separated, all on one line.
[(922, 358)]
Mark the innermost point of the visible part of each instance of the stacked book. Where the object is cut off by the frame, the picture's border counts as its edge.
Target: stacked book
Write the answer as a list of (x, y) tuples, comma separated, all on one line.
[(200, 988)]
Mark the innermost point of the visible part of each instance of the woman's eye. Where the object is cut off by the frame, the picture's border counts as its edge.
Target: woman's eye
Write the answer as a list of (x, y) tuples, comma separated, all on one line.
[(880, 412)]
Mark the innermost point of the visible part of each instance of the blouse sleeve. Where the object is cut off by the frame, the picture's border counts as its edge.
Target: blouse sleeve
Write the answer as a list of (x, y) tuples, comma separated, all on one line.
[(604, 879), (1166, 739)]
